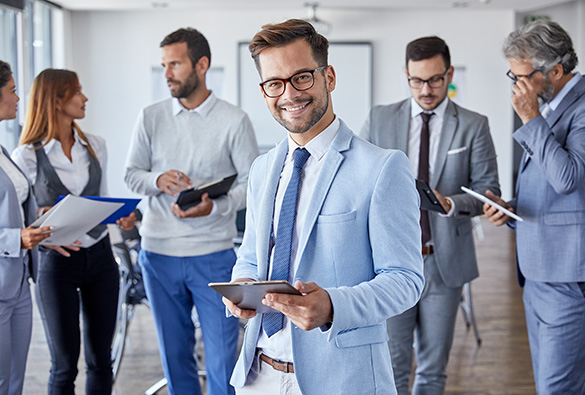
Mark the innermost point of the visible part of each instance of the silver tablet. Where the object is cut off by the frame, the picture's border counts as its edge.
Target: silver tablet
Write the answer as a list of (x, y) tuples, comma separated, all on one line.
[(248, 295)]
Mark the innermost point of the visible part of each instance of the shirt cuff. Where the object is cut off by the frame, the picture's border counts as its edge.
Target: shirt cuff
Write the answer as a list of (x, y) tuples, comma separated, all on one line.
[(451, 211)]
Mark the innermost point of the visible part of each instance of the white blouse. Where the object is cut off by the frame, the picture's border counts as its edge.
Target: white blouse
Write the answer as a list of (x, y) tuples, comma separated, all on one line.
[(73, 174), (18, 180)]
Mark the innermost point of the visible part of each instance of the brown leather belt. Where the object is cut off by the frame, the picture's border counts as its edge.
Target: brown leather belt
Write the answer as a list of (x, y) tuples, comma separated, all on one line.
[(428, 250), (286, 367)]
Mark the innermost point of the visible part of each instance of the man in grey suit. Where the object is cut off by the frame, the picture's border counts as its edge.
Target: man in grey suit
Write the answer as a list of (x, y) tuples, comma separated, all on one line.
[(448, 146), (549, 98)]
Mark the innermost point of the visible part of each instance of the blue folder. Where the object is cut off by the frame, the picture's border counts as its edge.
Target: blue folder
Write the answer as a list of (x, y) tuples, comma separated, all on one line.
[(124, 211)]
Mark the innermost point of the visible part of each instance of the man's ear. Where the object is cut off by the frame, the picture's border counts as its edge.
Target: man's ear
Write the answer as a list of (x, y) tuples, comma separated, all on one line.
[(331, 78), (202, 65), (557, 72)]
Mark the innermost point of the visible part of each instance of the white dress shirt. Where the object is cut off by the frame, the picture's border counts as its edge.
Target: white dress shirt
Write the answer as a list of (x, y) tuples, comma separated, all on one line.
[(73, 174), (279, 346), (435, 130), (18, 180)]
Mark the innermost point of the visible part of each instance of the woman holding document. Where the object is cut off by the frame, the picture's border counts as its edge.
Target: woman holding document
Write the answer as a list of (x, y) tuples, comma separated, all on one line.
[(60, 160), (19, 254)]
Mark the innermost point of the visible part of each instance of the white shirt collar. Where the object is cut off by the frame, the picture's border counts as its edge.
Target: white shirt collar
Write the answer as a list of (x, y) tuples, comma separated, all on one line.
[(439, 111), (203, 109), (554, 103), (51, 144), (320, 144)]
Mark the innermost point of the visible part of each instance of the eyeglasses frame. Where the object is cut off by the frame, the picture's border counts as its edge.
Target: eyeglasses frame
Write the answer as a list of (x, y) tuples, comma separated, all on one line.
[(289, 80), (428, 81), (515, 77)]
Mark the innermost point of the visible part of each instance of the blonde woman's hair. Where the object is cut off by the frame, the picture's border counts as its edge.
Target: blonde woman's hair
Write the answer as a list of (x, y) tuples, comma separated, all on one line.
[(40, 122)]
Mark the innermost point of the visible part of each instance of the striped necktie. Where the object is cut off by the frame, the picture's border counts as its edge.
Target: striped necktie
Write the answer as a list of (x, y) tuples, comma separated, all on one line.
[(273, 322)]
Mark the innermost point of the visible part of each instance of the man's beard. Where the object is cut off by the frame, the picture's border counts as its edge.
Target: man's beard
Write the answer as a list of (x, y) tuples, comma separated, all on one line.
[(547, 91), (318, 112), (185, 89)]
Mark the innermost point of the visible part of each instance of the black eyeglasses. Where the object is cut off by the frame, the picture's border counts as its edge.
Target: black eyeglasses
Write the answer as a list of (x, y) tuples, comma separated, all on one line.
[(434, 82), (515, 77), (300, 81)]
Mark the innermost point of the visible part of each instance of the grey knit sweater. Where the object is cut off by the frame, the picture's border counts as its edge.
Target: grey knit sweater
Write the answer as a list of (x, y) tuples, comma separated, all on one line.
[(214, 141)]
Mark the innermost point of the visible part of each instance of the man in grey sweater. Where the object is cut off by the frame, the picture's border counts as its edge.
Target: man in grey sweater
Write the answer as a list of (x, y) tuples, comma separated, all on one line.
[(190, 140)]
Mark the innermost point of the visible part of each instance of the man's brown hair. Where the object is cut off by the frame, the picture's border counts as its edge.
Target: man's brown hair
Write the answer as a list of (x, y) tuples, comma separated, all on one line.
[(285, 33)]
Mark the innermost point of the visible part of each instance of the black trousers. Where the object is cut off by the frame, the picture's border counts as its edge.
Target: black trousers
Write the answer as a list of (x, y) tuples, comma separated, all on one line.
[(88, 281)]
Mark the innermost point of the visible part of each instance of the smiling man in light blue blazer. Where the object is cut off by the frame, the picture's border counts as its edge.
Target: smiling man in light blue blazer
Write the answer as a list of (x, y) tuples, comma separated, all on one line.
[(459, 152), (549, 98), (354, 248)]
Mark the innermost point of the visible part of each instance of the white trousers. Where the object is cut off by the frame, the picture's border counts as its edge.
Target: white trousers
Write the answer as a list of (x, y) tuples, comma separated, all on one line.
[(269, 381)]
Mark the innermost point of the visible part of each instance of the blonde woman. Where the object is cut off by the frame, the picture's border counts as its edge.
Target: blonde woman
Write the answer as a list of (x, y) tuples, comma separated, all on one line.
[(60, 159)]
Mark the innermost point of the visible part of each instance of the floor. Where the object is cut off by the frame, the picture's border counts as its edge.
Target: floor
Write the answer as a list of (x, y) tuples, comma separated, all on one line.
[(500, 365)]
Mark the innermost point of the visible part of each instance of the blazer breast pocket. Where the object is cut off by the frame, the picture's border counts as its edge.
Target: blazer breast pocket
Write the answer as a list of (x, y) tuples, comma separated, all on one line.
[(457, 150), (337, 218)]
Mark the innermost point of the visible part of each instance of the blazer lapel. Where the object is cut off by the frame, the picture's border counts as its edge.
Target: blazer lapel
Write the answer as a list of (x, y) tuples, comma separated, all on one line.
[(333, 159), (402, 127), (275, 161), (574, 94), (447, 133)]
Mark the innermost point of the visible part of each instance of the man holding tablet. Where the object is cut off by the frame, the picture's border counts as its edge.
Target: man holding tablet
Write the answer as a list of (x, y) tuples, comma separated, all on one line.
[(449, 147), (549, 98), (318, 216)]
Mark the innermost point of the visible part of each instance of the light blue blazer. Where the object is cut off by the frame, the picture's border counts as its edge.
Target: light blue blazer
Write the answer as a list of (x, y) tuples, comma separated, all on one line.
[(550, 193), (12, 267), (361, 242)]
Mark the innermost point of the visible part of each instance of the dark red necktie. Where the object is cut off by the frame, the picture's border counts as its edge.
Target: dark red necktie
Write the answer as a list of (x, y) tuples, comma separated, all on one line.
[(423, 172)]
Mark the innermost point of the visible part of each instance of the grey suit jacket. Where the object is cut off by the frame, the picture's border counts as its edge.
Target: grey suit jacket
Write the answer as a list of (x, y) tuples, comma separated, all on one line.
[(12, 257), (550, 193), (466, 157)]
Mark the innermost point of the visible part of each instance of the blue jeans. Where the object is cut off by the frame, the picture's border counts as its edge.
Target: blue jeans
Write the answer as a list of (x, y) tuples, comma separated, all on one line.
[(86, 281), (173, 286)]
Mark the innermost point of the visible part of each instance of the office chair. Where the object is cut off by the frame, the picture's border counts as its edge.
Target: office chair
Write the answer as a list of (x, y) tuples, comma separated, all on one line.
[(131, 293)]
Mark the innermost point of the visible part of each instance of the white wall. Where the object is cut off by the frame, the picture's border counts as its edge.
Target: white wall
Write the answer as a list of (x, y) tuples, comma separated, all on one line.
[(113, 52)]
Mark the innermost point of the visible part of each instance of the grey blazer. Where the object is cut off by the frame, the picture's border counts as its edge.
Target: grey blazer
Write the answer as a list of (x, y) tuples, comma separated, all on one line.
[(550, 193), (12, 257), (466, 157)]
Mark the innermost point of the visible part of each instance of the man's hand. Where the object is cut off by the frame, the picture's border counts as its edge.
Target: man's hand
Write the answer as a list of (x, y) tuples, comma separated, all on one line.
[(200, 210), (308, 311), (173, 182), (444, 202), (41, 210), (31, 237), (235, 310), (495, 216), (62, 249), (525, 99), (127, 223)]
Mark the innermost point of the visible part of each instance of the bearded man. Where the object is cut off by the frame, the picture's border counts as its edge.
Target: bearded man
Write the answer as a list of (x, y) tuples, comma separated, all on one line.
[(189, 140), (549, 97)]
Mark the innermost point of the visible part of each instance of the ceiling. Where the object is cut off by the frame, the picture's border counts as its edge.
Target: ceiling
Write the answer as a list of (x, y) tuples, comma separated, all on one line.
[(518, 5)]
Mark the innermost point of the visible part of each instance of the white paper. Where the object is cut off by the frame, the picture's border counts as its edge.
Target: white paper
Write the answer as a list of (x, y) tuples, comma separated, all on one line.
[(484, 199), (72, 217)]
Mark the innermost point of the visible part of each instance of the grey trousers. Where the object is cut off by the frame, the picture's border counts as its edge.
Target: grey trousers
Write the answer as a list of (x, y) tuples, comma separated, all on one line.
[(429, 325), (15, 335)]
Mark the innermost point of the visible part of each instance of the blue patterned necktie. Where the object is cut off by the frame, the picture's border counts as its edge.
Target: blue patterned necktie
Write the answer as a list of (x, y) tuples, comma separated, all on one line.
[(273, 322)]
